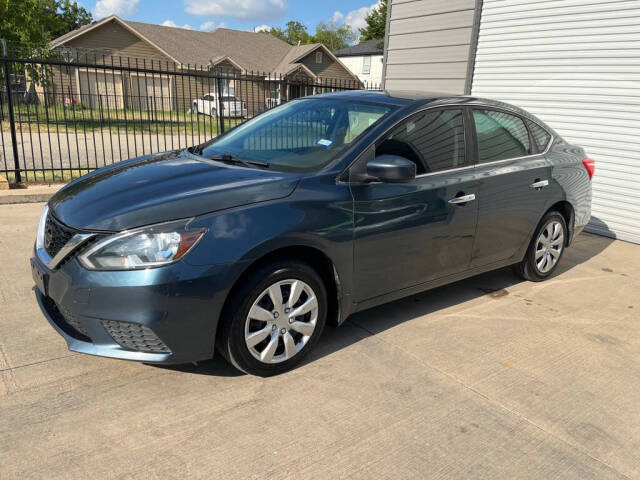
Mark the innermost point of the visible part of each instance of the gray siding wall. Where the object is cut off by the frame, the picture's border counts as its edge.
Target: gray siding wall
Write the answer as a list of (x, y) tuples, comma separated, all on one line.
[(427, 46)]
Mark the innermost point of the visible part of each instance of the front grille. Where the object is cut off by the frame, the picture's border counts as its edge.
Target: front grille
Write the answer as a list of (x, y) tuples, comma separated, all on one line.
[(64, 319), (73, 320), (134, 336), (56, 235)]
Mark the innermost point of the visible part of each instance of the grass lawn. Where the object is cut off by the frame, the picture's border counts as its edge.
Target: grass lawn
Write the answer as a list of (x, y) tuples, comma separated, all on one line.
[(47, 176), (59, 118)]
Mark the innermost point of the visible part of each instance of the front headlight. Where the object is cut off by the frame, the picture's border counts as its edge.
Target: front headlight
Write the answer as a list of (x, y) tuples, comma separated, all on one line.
[(41, 227), (145, 247)]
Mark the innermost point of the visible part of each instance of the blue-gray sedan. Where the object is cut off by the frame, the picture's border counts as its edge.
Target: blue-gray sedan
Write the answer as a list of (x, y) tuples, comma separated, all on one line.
[(250, 243)]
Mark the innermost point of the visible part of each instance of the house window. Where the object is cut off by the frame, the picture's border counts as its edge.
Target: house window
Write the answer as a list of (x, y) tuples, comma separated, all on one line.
[(366, 65), (318, 57), (228, 87), (274, 90)]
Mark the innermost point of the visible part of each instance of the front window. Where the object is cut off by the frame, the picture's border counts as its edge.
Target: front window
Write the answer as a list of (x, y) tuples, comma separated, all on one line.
[(303, 135), (433, 140)]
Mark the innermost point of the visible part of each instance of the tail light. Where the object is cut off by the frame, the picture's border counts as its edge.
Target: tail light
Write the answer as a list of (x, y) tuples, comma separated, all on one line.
[(244, 105), (590, 165), (222, 106)]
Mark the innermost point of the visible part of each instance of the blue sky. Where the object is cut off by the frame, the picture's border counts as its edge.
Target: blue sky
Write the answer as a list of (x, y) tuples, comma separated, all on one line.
[(239, 14)]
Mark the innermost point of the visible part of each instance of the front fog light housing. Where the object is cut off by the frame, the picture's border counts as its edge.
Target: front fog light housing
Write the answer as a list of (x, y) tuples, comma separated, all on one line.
[(141, 248)]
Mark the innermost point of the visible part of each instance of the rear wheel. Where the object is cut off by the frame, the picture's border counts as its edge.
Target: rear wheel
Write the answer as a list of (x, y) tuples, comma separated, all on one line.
[(274, 318), (195, 108), (545, 250)]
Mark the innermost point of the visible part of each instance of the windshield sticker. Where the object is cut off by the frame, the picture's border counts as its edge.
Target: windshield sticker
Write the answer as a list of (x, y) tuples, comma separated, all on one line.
[(324, 142)]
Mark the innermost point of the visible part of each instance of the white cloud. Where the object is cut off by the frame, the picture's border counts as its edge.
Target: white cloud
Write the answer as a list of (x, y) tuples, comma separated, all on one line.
[(122, 8), (207, 26), (354, 18), (242, 9), (171, 23), (262, 28)]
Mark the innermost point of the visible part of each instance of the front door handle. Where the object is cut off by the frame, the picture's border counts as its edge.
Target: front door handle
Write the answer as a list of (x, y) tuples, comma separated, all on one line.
[(538, 184), (463, 199)]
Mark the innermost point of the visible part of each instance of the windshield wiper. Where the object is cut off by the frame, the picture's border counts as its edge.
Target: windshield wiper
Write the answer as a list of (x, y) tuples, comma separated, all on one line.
[(196, 149), (228, 158)]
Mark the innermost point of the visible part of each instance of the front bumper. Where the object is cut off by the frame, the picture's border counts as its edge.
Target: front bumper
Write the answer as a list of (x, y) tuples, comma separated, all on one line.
[(162, 315)]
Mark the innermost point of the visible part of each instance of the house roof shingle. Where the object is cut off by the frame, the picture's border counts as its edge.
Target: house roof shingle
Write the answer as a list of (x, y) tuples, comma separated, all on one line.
[(254, 52), (368, 47)]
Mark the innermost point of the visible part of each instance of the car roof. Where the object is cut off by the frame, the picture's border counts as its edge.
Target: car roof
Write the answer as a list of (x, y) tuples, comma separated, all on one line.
[(409, 99)]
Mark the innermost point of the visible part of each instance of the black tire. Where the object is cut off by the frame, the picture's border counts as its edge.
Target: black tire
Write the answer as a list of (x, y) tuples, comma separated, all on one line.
[(231, 338), (528, 268), (195, 108)]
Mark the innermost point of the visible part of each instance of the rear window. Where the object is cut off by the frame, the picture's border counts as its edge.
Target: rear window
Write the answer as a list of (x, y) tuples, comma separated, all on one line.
[(540, 135), (229, 99)]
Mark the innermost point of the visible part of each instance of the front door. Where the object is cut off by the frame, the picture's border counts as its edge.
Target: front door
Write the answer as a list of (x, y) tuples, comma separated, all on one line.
[(509, 203), (408, 234)]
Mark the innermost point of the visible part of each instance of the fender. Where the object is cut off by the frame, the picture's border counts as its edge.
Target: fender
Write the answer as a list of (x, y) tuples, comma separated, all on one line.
[(318, 215)]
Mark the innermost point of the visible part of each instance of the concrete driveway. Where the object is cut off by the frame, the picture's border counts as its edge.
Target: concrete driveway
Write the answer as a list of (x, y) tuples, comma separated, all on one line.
[(487, 378)]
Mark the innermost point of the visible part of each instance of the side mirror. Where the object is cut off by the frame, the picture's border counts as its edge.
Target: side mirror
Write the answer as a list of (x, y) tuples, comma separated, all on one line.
[(391, 169)]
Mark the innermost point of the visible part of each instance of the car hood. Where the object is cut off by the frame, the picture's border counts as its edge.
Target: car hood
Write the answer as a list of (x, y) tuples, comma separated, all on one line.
[(163, 187)]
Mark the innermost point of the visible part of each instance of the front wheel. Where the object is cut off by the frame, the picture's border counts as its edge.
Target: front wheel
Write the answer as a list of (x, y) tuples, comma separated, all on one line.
[(545, 250), (274, 318)]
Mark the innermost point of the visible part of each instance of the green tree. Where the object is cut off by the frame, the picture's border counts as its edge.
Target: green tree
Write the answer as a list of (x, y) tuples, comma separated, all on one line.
[(334, 36), (32, 24), (376, 23), (294, 32), (68, 17)]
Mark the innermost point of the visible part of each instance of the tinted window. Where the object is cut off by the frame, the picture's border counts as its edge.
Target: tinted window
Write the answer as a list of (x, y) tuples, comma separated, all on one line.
[(500, 136), (434, 140), (540, 135), (302, 135)]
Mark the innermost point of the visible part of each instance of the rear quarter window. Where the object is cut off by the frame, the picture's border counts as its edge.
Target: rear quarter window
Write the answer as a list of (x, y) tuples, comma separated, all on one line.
[(540, 135)]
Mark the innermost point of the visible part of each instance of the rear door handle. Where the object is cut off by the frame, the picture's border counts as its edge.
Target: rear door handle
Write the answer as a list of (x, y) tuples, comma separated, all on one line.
[(539, 184), (463, 199)]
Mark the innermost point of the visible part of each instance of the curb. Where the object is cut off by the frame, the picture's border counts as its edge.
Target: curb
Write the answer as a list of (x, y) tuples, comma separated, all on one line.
[(31, 194), (25, 198)]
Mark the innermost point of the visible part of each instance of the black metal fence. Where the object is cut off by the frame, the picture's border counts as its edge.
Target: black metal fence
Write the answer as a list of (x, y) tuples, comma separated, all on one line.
[(64, 114)]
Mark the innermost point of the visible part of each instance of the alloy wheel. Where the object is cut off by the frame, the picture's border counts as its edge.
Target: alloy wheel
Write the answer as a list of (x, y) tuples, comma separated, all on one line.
[(281, 321), (549, 246)]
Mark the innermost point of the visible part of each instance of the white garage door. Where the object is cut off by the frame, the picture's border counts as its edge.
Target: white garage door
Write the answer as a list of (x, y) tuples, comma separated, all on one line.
[(151, 92), (576, 65), (100, 89)]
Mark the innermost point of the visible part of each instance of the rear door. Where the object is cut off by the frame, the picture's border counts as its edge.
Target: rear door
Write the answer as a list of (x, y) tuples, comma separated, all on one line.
[(410, 233), (514, 180)]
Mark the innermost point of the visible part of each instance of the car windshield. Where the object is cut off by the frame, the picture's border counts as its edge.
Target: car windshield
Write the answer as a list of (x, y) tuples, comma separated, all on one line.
[(303, 135)]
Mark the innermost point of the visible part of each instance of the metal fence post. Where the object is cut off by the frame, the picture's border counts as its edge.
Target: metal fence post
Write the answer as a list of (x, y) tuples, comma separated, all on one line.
[(220, 105), (12, 123)]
